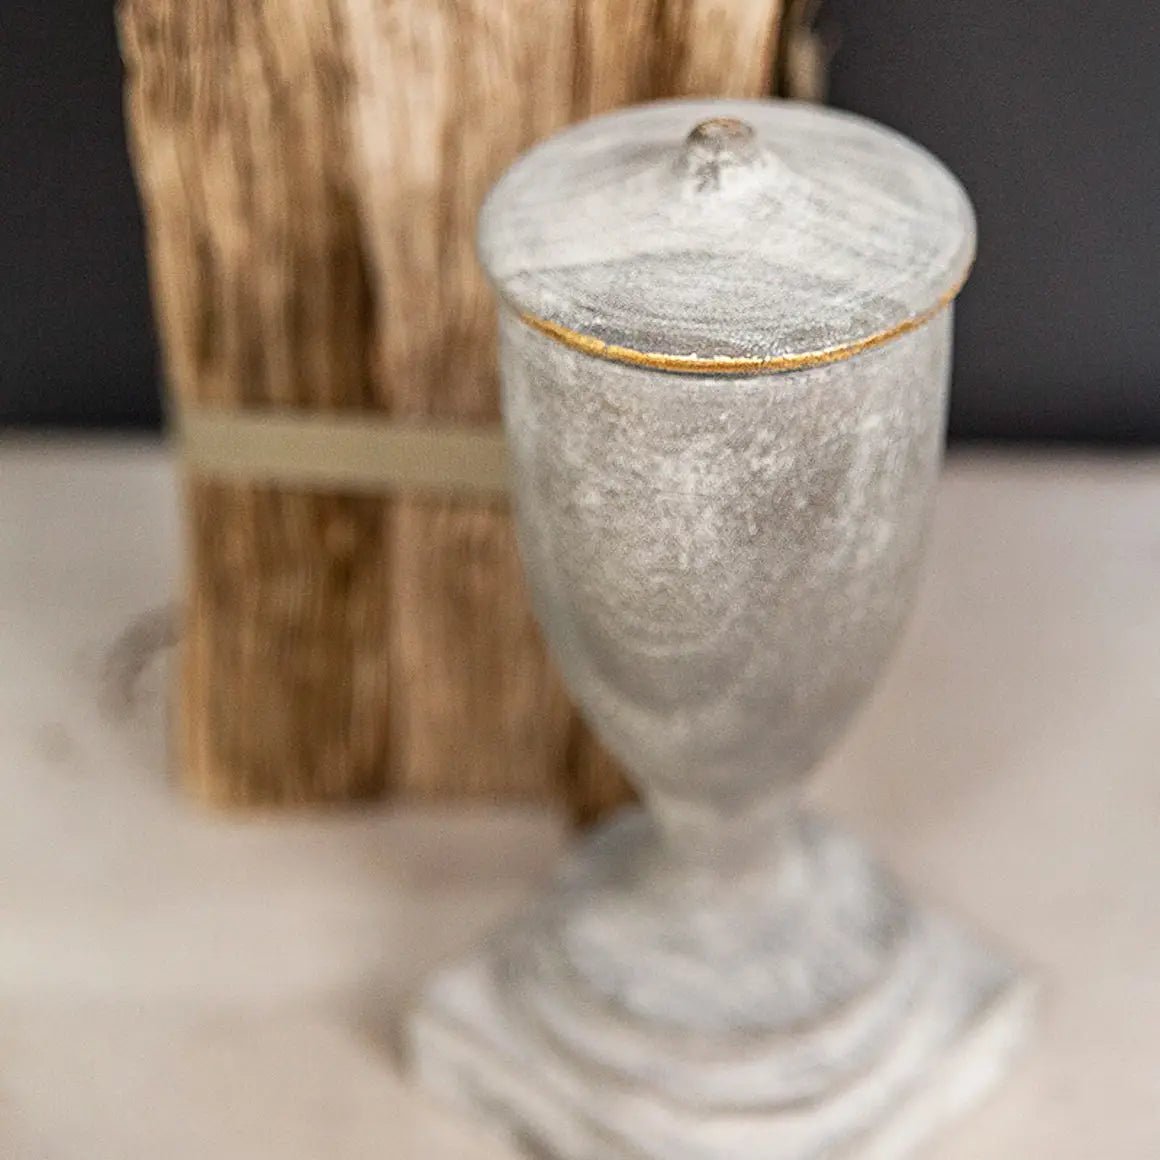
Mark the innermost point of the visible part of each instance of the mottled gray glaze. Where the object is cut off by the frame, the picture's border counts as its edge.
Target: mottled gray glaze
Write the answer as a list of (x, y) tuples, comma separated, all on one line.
[(722, 564), (823, 229), (520, 1038)]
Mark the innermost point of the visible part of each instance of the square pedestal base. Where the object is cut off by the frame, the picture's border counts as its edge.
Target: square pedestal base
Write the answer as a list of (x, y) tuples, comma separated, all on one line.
[(476, 1042)]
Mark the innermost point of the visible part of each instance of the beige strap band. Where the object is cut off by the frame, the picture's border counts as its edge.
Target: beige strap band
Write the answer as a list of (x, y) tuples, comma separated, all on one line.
[(324, 450)]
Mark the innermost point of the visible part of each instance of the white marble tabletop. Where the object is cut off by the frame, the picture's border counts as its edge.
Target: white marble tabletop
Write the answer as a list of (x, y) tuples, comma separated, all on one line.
[(183, 986)]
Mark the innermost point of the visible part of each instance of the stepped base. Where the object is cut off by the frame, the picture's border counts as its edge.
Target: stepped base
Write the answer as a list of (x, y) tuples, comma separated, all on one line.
[(528, 1038)]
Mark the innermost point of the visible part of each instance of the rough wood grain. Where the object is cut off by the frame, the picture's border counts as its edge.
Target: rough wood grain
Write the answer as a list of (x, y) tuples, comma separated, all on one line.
[(311, 171), (803, 61), (242, 153), (711, 48)]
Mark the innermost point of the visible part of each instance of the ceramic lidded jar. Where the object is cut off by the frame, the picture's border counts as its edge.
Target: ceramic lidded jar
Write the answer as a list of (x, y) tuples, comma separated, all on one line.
[(725, 351), (726, 334)]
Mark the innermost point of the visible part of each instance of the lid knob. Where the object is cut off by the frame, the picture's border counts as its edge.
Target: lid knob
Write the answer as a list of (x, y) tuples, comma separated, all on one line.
[(717, 146)]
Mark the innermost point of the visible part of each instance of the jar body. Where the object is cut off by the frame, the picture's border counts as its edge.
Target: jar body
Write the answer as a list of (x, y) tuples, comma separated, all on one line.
[(725, 337), (722, 563)]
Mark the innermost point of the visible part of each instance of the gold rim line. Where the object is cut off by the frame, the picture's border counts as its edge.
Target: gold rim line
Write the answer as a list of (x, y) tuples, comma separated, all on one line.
[(729, 365)]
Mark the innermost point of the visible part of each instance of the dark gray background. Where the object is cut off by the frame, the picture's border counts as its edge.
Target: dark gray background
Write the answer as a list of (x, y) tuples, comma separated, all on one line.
[(1049, 110)]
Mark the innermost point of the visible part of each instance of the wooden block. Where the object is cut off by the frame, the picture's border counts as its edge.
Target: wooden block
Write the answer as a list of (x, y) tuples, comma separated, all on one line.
[(311, 171)]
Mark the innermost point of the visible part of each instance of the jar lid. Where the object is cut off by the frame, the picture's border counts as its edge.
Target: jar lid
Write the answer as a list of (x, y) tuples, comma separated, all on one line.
[(727, 236)]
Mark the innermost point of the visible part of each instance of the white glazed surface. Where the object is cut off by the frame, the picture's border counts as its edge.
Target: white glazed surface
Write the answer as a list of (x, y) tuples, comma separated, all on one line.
[(722, 564), (823, 230), (570, 1075), (722, 558)]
